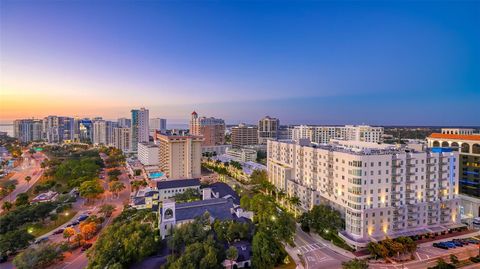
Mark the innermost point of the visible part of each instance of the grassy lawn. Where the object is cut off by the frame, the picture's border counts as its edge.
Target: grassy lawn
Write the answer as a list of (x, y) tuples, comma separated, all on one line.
[(39, 229)]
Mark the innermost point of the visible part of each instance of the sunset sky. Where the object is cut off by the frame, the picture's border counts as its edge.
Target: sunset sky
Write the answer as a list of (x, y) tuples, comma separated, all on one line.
[(413, 63)]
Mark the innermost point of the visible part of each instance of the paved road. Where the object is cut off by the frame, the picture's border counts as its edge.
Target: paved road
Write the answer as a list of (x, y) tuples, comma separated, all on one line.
[(315, 253), (79, 260), (30, 166)]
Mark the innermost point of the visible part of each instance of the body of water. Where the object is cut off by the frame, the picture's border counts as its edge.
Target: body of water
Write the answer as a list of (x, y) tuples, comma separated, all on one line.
[(6, 126)]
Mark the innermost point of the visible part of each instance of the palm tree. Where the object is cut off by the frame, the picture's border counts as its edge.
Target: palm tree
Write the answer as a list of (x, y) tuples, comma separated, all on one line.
[(295, 202), (10, 189), (7, 206), (116, 187), (27, 179)]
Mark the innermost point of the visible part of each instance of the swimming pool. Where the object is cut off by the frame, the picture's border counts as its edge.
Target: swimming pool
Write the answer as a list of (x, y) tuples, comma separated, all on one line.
[(154, 175)]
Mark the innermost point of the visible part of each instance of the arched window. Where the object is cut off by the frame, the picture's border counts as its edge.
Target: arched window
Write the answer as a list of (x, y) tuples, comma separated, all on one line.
[(465, 148), (455, 146), (436, 144), (445, 144), (168, 213), (476, 149)]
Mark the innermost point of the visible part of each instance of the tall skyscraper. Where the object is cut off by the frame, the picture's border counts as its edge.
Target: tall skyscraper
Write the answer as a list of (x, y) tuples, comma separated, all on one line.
[(110, 125), (267, 129), (180, 155), (58, 129), (243, 135), (158, 124), (99, 132), (28, 130), (212, 129), (124, 122), (85, 128), (121, 138), (139, 129)]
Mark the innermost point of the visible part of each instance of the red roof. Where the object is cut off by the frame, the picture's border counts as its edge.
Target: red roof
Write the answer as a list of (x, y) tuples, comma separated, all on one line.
[(455, 136), (194, 113)]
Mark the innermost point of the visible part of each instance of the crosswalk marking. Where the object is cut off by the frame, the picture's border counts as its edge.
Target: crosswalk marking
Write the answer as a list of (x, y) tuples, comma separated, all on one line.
[(309, 248)]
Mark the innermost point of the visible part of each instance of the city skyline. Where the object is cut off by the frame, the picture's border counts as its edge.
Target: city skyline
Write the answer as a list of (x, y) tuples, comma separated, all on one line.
[(307, 63)]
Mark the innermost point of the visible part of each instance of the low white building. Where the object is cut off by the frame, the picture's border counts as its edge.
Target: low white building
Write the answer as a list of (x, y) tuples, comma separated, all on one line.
[(242, 154), (169, 188), (148, 153)]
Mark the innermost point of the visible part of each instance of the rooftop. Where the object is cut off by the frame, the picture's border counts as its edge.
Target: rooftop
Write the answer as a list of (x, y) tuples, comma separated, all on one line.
[(473, 137), (225, 191), (217, 208), (178, 183)]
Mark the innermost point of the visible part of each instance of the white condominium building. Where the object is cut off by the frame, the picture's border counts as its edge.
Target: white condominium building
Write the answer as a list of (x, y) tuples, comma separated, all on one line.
[(180, 155), (148, 153), (99, 132), (323, 134), (380, 190)]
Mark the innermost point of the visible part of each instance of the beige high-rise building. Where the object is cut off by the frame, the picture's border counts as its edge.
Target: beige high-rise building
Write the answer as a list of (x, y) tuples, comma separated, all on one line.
[(121, 138), (381, 190), (212, 129), (243, 135), (180, 155)]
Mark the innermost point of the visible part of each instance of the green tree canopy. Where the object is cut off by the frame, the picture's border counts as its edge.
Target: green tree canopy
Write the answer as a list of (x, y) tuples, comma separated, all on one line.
[(90, 189)]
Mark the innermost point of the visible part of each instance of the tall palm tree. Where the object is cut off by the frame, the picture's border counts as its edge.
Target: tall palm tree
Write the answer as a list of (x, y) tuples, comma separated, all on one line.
[(295, 202), (10, 189), (116, 187), (281, 194), (27, 179)]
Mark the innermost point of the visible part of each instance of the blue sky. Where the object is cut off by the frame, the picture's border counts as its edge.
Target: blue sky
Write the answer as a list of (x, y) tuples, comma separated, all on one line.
[(304, 62)]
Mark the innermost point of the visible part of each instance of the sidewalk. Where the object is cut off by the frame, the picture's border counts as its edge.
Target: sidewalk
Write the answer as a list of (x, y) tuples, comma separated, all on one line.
[(293, 253), (331, 246)]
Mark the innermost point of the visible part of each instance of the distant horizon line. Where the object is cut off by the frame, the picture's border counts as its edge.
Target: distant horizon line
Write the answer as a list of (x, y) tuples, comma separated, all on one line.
[(3, 123)]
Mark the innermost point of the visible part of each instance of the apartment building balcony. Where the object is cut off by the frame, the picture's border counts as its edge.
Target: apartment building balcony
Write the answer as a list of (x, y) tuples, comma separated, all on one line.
[(445, 220), (396, 165), (413, 211), (396, 182), (430, 163), (396, 174)]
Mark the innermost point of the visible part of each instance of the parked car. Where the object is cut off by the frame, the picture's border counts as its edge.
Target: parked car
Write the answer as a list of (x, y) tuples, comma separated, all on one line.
[(86, 246), (41, 240), (456, 243), (450, 244), (59, 231), (82, 218), (473, 241), (75, 223), (440, 245), (461, 241)]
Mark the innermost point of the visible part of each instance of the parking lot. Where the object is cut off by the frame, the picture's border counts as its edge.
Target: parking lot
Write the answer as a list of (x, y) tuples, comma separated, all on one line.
[(462, 252)]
